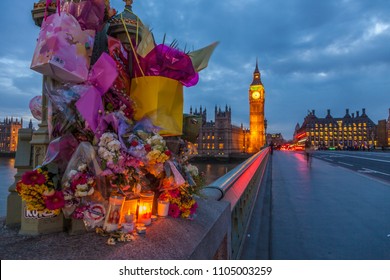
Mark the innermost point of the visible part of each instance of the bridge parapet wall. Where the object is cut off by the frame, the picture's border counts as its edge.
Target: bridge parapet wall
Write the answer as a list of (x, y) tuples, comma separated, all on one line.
[(240, 187)]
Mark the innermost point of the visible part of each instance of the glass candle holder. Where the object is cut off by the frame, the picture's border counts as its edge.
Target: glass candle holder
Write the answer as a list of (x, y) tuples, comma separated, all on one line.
[(145, 207), (111, 223), (129, 208)]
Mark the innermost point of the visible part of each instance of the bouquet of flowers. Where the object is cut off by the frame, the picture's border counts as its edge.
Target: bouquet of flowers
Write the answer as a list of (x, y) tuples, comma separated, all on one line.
[(38, 189), (79, 181), (181, 202)]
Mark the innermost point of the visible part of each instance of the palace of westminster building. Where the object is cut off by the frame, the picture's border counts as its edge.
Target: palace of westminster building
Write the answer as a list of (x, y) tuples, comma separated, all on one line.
[(220, 138)]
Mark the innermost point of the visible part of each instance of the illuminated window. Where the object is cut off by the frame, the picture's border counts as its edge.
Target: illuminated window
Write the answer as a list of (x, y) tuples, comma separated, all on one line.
[(220, 146)]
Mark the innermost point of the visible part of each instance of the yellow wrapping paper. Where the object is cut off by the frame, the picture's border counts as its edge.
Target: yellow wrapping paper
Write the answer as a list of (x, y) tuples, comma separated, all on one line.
[(161, 100)]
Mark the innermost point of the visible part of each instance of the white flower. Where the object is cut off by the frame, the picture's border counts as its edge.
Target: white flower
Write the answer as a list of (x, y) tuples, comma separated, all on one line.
[(91, 191), (82, 187), (72, 173), (82, 167), (156, 140), (80, 193), (114, 145), (192, 169)]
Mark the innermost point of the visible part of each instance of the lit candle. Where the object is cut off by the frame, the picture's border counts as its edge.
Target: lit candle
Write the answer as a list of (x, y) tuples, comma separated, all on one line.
[(145, 214), (145, 208), (129, 217), (129, 207)]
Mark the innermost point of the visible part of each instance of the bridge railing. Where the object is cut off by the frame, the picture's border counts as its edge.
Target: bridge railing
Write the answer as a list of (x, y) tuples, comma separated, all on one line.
[(240, 188)]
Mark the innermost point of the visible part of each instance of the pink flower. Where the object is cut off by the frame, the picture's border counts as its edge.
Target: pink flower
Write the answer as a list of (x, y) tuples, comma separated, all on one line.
[(174, 193), (55, 201), (174, 211), (79, 212), (79, 179), (33, 178)]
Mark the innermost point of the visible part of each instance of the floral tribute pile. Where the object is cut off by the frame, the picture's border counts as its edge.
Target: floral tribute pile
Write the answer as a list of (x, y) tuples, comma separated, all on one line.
[(99, 155)]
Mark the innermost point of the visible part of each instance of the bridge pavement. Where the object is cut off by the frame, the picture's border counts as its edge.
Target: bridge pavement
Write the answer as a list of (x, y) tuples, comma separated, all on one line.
[(318, 212)]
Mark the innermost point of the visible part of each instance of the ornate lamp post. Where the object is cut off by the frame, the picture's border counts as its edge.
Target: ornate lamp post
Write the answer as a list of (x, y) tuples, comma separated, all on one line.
[(38, 12), (126, 23), (127, 26), (23, 160), (38, 144)]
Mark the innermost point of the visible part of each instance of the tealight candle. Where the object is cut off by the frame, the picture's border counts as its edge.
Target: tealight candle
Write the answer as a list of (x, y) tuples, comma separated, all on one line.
[(141, 230), (127, 227)]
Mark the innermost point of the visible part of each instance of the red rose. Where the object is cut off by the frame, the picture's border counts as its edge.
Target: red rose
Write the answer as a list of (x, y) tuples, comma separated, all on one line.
[(134, 143), (148, 148)]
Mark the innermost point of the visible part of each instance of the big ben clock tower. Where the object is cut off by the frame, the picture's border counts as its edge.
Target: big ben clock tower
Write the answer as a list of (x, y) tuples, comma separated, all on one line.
[(256, 113)]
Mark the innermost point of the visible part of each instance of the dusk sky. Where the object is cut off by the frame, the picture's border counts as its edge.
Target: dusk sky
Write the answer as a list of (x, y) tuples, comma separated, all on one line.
[(317, 55)]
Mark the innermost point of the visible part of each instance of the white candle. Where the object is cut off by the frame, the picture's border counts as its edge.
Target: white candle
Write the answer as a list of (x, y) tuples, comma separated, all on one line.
[(162, 208)]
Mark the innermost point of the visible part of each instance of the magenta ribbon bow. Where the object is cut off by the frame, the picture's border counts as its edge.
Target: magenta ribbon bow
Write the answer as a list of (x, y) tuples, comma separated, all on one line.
[(100, 78)]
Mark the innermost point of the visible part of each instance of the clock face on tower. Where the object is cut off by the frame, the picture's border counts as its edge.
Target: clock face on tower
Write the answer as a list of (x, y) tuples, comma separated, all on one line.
[(255, 95)]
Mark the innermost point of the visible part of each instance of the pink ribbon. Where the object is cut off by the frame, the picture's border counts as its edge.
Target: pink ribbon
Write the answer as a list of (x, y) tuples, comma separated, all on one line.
[(100, 78)]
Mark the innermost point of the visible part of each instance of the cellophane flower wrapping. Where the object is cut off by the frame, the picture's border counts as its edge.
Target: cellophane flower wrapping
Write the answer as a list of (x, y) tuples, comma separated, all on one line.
[(168, 62), (60, 151), (89, 13), (63, 117), (83, 197)]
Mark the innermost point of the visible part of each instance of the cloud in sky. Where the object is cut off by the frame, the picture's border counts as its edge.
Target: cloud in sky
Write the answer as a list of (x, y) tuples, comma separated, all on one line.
[(312, 55)]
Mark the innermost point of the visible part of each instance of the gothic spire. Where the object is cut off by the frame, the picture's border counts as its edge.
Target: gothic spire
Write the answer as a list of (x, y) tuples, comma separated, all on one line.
[(256, 75)]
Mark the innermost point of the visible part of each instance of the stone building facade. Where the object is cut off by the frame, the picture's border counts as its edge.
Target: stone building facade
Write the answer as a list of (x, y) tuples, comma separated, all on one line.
[(383, 132), (9, 128), (220, 138), (352, 131)]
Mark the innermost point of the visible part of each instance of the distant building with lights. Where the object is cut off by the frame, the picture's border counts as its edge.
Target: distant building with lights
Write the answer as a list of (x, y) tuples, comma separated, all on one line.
[(352, 131), (9, 129), (383, 132), (275, 138), (388, 129), (219, 138)]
